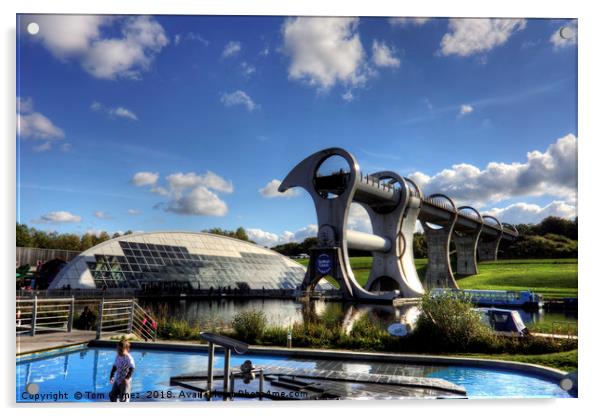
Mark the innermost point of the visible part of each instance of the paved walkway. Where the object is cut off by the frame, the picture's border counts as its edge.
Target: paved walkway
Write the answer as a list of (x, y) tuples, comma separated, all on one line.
[(27, 343)]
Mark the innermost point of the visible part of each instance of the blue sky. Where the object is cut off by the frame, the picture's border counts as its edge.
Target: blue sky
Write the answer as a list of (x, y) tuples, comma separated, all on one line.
[(183, 122)]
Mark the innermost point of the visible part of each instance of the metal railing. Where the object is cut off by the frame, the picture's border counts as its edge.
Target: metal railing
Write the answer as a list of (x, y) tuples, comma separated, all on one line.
[(37, 315), (126, 317), (42, 315)]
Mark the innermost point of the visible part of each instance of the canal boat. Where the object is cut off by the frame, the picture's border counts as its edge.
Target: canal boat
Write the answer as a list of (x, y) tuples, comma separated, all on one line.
[(503, 321), (525, 299)]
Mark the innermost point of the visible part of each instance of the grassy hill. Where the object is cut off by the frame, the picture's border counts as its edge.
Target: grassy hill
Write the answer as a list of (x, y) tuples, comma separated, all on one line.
[(553, 278)]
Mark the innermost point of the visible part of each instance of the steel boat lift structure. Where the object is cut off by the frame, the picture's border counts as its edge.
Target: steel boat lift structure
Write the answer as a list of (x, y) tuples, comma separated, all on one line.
[(394, 204)]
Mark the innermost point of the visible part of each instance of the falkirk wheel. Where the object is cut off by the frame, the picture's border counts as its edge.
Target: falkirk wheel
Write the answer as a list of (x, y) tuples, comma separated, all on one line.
[(394, 204)]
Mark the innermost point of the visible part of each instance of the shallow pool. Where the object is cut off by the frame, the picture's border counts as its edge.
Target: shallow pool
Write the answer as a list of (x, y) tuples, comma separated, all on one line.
[(82, 374)]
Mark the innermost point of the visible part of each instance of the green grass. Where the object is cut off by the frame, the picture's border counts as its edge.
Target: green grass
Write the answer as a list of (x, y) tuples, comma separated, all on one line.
[(553, 278), (565, 361)]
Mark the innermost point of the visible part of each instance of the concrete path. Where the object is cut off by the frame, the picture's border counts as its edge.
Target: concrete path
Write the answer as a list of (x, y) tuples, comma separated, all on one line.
[(27, 344)]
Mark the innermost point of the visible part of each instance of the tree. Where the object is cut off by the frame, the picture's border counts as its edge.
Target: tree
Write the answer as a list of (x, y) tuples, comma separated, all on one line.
[(23, 236), (86, 241)]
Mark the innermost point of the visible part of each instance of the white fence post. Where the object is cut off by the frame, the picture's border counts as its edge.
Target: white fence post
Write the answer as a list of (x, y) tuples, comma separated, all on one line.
[(71, 314), (34, 313), (99, 324)]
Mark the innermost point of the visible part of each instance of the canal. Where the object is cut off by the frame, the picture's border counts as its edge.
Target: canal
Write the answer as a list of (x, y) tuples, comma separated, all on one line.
[(284, 312)]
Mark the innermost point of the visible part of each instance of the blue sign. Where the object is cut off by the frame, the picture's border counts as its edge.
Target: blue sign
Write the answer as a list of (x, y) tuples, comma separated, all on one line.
[(324, 264)]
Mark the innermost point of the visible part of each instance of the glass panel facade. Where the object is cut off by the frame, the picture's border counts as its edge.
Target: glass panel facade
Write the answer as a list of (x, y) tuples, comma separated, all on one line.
[(146, 265)]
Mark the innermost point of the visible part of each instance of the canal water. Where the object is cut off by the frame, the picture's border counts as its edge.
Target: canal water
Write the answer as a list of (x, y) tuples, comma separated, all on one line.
[(284, 312)]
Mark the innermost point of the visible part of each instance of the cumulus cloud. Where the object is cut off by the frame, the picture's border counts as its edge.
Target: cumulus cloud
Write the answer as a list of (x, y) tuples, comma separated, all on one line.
[(102, 215), (268, 239), (524, 213), (565, 36), (133, 211), (238, 98), (145, 178), (477, 35), (358, 219), (199, 201), (232, 48), (84, 38), (121, 112), (34, 125), (465, 109), (552, 173), (408, 21), (188, 193), (180, 181), (270, 190), (383, 55), (324, 51), (57, 217)]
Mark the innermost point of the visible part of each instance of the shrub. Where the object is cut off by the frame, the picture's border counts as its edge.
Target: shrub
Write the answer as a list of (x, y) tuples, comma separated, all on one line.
[(449, 323), (250, 325)]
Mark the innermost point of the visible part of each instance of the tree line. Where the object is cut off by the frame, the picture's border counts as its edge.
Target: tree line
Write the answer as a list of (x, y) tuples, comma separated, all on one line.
[(32, 237)]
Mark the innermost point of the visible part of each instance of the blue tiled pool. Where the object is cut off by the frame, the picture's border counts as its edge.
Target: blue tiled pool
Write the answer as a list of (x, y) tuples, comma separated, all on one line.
[(82, 374)]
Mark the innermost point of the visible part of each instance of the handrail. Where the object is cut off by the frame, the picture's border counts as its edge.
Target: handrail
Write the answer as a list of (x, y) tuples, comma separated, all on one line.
[(126, 316)]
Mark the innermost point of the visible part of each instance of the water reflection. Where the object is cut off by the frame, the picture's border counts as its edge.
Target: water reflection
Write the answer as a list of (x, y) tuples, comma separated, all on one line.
[(212, 314)]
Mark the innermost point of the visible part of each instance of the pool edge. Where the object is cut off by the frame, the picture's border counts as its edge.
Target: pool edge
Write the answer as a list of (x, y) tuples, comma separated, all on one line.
[(535, 369)]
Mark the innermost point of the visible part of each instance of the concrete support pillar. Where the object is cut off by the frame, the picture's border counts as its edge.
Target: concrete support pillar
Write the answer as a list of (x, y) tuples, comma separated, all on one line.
[(438, 272), (466, 253), (488, 248)]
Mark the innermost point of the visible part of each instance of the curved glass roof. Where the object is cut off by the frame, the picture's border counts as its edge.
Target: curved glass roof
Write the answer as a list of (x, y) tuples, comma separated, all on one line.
[(182, 260)]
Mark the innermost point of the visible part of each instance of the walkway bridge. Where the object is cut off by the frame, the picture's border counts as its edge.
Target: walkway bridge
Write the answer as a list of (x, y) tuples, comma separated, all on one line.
[(394, 204)]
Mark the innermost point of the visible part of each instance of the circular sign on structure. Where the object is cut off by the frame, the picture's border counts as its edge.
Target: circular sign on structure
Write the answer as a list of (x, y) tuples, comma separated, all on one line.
[(324, 263), (398, 330)]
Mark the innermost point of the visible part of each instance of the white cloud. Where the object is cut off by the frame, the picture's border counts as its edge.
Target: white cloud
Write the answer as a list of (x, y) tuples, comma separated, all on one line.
[(43, 147), (24, 105), (270, 190), (145, 178), (188, 193), (565, 36), (124, 113), (348, 96), (102, 215), (121, 112), (80, 37), (190, 36), (358, 218), (180, 181), (324, 51), (199, 201), (133, 211), (38, 126), (408, 21), (266, 238), (553, 173), (57, 217), (477, 35), (34, 125), (465, 109), (239, 98), (523, 213), (247, 69), (383, 55), (232, 48)]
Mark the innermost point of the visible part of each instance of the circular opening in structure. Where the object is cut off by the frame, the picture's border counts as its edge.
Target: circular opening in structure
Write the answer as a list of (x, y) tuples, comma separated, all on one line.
[(431, 225), (332, 177)]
